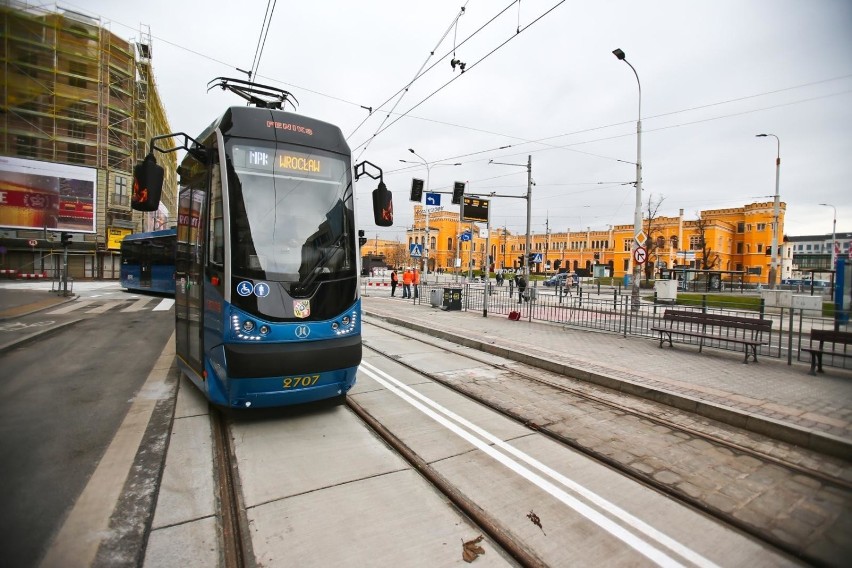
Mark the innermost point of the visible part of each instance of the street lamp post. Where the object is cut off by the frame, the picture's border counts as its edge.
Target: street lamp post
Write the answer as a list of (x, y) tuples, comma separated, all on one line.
[(637, 212), (833, 236), (773, 266)]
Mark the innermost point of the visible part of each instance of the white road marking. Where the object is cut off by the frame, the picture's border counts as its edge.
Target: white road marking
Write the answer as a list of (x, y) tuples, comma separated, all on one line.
[(105, 307), (638, 544), (138, 305), (71, 307), (164, 305)]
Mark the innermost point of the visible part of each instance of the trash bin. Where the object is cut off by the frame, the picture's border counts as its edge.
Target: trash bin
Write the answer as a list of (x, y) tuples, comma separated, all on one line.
[(435, 298), (628, 280), (452, 298)]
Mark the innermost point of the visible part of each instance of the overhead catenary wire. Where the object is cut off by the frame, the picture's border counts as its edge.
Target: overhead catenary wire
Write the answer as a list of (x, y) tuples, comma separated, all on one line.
[(541, 140), (469, 68), (261, 38), (402, 92)]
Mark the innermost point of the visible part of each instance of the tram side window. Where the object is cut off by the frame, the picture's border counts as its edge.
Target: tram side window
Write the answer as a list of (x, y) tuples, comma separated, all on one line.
[(216, 238)]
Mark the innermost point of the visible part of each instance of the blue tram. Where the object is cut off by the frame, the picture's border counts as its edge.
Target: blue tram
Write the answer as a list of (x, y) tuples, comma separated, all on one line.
[(148, 262), (268, 311)]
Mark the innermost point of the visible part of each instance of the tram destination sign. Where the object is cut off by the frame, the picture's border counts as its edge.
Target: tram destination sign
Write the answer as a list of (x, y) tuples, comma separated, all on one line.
[(475, 209), (284, 161)]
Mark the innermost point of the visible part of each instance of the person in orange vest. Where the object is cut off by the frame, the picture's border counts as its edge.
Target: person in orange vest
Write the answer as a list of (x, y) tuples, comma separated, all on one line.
[(394, 282), (416, 282), (407, 278)]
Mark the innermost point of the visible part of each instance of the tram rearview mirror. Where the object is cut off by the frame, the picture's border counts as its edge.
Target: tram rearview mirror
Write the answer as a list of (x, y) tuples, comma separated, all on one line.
[(147, 185), (382, 206)]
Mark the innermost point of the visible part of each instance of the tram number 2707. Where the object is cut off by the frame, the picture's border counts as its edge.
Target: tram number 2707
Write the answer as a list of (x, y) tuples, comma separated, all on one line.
[(296, 382)]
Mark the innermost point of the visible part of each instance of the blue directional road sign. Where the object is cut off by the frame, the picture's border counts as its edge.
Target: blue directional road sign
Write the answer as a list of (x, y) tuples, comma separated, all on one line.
[(465, 236), (415, 250), (537, 258), (433, 199)]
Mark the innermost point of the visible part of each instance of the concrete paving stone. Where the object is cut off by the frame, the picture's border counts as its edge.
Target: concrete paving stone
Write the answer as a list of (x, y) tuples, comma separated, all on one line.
[(776, 503), (809, 513), (740, 493), (807, 481), (190, 545), (721, 502), (667, 477), (768, 474), (690, 489), (186, 491), (641, 466), (752, 516)]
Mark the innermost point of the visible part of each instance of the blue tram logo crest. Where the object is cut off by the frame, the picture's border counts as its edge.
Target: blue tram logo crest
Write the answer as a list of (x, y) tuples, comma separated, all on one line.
[(303, 331)]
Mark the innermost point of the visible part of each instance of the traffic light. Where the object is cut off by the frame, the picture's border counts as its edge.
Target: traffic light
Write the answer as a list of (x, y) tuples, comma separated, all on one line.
[(362, 240), (597, 256), (65, 239), (532, 257), (416, 189), (556, 264), (520, 260), (458, 192)]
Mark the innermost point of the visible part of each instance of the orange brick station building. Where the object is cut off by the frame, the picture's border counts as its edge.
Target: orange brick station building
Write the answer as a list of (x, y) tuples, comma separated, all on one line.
[(737, 239)]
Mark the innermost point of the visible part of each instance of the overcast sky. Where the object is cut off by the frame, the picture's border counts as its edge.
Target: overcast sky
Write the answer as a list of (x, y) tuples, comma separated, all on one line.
[(541, 80)]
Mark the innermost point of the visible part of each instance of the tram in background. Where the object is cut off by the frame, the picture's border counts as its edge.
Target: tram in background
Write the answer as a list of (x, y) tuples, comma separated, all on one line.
[(267, 303), (148, 261)]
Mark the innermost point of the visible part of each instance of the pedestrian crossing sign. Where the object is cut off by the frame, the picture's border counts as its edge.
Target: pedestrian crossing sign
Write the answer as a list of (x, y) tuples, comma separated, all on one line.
[(416, 250)]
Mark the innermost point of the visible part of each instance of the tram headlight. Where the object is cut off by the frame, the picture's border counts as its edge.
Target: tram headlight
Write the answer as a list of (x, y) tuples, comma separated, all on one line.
[(335, 326), (264, 329), (346, 320), (248, 326)]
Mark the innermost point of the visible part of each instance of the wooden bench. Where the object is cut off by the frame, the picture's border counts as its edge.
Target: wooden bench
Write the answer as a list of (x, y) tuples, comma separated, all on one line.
[(827, 342), (745, 331)]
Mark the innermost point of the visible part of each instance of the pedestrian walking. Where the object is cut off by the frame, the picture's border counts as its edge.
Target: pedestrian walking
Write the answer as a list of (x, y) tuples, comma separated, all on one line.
[(416, 281), (394, 282), (511, 285), (522, 288), (406, 283)]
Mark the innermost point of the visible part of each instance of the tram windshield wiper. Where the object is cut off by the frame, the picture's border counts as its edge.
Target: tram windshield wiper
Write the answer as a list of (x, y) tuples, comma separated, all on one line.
[(321, 267)]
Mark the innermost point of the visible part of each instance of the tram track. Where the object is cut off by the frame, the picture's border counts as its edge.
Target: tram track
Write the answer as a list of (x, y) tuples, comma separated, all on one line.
[(236, 540), (584, 396)]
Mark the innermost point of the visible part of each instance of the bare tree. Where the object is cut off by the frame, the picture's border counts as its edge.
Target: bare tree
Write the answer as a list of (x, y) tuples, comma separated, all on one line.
[(709, 258), (653, 233), (396, 255)]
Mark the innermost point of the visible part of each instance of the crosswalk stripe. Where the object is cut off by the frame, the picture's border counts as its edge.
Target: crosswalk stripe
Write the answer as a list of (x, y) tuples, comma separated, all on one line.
[(71, 307), (138, 305), (165, 305), (105, 306)]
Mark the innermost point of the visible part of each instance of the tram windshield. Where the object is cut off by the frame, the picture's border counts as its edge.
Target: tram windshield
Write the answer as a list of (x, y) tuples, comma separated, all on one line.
[(291, 213)]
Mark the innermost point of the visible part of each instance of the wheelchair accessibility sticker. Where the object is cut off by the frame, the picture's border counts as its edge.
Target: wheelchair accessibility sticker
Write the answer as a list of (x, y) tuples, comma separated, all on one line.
[(245, 288)]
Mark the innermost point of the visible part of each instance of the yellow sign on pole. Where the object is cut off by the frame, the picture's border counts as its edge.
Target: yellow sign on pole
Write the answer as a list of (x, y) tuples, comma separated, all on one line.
[(641, 238)]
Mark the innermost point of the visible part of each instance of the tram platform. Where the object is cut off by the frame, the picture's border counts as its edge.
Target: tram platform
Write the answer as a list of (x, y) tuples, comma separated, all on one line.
[(770, 398)]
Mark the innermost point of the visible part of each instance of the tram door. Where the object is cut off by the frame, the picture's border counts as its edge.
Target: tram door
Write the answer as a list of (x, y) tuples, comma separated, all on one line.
[(188, 263), (145, 265)]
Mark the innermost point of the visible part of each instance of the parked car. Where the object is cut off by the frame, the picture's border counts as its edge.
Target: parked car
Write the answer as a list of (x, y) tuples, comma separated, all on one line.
[(557, 280)]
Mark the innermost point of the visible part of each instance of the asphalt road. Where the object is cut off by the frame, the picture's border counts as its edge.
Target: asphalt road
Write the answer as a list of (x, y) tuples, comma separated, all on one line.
[(62, 398)]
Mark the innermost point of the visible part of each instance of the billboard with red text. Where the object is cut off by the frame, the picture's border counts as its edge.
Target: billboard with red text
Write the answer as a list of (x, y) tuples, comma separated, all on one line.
[(47, 195)]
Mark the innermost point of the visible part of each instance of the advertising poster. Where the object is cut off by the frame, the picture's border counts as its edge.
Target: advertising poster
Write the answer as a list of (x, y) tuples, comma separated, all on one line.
[(45, 195)]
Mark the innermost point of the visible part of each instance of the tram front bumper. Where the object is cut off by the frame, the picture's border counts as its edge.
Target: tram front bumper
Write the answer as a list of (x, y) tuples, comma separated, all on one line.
[(267, 360)]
